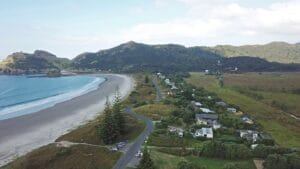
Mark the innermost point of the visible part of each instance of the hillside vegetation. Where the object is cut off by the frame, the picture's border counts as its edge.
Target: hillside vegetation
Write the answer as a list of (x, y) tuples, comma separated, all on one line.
[(274, 52), (33, 63), (136, 57), (132, 57)]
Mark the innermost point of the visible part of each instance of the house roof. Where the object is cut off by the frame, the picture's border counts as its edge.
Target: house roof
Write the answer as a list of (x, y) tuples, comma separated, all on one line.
[(206, 110), (265, 136), (207, 116), (221, 103), (205, 130)]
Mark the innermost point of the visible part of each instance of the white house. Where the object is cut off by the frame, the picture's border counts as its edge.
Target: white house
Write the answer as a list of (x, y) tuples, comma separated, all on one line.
[(253, 146), (167, 81), (197, 104), (216, 125), (246, 120), (206, 110), (174, 87), (177, 130), (249, 135), (231, 110), (204, 132)]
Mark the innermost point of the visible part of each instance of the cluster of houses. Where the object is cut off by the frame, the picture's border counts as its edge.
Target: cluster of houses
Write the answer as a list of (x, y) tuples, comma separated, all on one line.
[(168, 82), (210, 119)]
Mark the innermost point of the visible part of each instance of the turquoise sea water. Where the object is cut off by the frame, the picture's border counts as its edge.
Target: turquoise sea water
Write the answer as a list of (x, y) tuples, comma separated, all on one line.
[(20, 95)]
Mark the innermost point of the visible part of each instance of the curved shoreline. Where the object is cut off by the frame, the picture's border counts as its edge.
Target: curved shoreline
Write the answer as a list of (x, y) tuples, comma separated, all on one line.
[(38, 104), (24, 133)]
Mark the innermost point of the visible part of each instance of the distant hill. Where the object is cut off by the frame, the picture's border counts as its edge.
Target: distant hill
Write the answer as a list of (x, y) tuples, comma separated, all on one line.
[(281, 52), (135, 57), (39, 61)]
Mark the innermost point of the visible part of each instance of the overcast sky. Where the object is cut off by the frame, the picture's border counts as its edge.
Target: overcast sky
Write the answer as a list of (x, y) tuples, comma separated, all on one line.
[(70, 27)]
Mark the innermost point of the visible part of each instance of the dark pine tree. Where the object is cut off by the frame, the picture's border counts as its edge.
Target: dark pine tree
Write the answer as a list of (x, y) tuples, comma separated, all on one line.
[(146, 161), (146, 79), (108, 132), (118, 116)]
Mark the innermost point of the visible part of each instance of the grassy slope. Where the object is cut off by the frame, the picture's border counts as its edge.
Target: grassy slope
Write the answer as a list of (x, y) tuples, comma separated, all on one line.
[(167, 161), (155, 111), (75, 157), (274, 121), (88, 132), (276, 51)]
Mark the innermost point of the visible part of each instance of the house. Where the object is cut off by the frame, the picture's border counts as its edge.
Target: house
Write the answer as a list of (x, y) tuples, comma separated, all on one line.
[(177, 130), (253, 146), (223, 104), (216, 125), (246, 120), (206, 119), (206, 71), (196, 104), (161, 76), (204, 132), (249, 135), (167, 81), (231, 110), (206, 110), (174, 87)]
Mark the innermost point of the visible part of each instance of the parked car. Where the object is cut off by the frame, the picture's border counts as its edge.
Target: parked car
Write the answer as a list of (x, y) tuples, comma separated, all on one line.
[(139, 154), (114, 148)]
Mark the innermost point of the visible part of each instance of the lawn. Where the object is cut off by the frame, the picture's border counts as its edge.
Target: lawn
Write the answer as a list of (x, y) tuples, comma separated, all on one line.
[(155, 111), (273, 120), (167, 161), (74, 157)]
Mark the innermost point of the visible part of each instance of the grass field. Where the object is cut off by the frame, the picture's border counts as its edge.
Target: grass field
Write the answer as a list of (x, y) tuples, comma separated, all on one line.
[(144, 93), (88, 133), (155, 111), (167, 161), (74, 157), (269, 97)]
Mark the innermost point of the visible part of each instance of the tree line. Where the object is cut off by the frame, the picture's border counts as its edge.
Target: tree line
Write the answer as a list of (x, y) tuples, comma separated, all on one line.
[(113, 124)]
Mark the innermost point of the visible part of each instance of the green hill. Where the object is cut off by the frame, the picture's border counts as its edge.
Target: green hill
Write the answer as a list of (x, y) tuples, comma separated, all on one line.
[(37, 62), (281, 52), (136, 57)]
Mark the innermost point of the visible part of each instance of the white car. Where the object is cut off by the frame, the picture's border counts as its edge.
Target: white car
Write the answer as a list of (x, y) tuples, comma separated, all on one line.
[(139, 154)]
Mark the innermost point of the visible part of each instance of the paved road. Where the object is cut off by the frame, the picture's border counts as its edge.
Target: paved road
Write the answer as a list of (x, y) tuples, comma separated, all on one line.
[(136, 145), (159, 95)]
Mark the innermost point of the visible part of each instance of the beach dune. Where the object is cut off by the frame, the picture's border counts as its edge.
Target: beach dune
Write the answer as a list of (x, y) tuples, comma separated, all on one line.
[(21, 135)]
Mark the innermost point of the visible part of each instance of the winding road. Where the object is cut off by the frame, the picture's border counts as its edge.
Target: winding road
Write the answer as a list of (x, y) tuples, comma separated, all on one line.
[(138, 142), (136, 145)]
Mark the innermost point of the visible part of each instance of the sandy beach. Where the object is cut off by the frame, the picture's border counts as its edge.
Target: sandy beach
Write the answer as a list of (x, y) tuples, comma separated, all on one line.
[(21, 135)]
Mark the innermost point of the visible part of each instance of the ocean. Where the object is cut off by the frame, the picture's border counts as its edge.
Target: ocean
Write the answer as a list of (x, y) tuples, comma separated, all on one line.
[(21, 95)]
